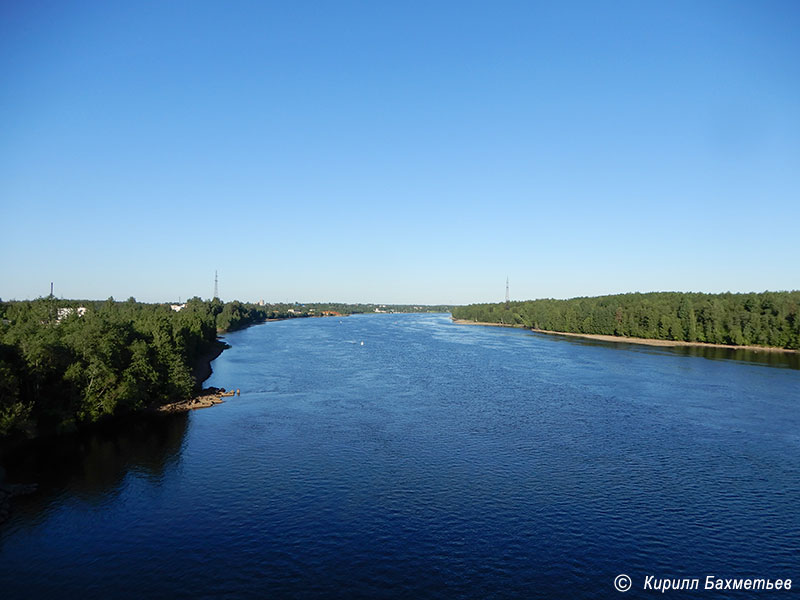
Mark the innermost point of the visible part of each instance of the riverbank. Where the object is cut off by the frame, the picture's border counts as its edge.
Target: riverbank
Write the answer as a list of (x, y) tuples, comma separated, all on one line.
[(466, 322), (633, 340), (201, 370)]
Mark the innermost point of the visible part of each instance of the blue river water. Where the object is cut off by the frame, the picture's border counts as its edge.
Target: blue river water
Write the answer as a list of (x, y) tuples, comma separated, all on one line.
[(404, 456)]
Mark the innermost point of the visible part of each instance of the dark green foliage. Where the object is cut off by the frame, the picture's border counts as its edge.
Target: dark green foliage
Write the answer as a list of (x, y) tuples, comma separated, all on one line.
[(766, 319), (62, 366)]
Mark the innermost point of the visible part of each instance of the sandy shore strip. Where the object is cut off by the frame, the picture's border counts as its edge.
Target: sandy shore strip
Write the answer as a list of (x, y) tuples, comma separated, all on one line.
[(633, 340), (464, 322)]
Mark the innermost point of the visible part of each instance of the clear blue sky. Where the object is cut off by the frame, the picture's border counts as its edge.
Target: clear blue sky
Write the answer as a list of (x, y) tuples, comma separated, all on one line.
[(408, 152)]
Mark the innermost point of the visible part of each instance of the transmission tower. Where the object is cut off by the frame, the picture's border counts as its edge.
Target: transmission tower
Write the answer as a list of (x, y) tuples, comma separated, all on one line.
[(216, 286), (508, 298)]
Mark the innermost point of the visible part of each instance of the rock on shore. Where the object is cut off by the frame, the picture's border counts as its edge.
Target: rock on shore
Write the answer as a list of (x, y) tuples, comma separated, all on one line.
[(208, 397)]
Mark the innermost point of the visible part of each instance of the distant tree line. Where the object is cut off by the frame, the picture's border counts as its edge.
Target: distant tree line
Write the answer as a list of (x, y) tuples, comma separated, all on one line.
[(759, 319)]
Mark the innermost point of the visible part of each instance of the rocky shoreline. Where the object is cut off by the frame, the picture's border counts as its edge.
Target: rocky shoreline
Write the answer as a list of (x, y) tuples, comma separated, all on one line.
[(201, 371), (208, 397)]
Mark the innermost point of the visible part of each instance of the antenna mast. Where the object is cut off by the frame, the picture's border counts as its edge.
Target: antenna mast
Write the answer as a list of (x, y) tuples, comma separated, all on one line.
[(508, 298), (216, 285)]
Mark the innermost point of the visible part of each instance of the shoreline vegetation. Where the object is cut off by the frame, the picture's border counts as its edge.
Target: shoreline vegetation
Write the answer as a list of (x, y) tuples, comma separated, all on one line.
[(631, 340), (68, 364), (753, 321)]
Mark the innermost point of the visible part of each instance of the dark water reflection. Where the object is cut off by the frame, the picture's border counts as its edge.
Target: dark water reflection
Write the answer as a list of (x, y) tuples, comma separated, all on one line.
[(790, 360), (787, 360), (90, 465)]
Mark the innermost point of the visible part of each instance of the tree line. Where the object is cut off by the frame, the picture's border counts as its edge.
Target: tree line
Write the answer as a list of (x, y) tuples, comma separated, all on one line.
[(758, 319)]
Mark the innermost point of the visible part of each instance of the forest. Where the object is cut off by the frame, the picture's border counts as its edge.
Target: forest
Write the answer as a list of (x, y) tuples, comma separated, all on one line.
[(757, 319), (63, 363)]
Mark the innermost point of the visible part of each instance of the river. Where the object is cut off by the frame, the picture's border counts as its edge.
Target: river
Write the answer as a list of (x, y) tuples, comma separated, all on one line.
[(404, 456)]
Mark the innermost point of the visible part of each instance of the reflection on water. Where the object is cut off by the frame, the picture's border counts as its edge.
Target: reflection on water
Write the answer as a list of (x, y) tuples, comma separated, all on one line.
[(787, 360), (90, 465)]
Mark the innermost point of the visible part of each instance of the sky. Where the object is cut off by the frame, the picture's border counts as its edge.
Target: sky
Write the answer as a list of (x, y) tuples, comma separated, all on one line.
[(398, 152)]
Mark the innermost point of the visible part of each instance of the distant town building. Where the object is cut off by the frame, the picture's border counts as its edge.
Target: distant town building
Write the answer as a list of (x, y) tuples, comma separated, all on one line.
[(66, 311), (177, 307)]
